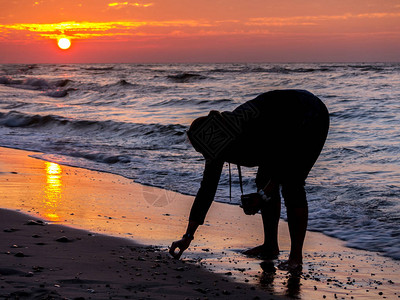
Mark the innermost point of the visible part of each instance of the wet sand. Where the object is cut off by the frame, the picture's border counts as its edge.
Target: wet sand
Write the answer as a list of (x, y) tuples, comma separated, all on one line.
[(113, 205)]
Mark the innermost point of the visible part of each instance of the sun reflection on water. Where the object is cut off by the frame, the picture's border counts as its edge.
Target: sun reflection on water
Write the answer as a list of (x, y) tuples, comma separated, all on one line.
[(53, 190)]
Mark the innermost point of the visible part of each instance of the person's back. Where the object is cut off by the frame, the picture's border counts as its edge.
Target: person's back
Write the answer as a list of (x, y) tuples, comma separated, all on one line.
[(269, 126)]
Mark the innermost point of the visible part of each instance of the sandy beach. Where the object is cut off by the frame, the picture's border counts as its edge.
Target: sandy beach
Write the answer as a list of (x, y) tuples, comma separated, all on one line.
[(47, 261), (83, 234)]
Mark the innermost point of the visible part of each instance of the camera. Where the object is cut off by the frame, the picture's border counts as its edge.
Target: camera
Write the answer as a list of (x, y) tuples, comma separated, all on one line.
[(251, 203)]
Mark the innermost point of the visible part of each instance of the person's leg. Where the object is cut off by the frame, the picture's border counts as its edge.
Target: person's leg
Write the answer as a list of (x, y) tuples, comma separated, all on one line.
[(270, 216), (270, 213), (297, 220), (297, 214), (308, 142)]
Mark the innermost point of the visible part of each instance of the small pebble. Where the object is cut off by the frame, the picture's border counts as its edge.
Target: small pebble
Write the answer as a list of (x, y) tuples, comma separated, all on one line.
[(10, 230), (228, 273), (63, 239)]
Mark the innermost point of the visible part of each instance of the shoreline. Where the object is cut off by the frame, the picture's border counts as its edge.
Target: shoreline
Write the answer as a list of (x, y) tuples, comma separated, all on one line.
[(111, 204)]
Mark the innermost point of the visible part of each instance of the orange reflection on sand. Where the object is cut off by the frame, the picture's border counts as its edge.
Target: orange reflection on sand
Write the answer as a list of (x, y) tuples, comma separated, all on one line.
[(53, 190)]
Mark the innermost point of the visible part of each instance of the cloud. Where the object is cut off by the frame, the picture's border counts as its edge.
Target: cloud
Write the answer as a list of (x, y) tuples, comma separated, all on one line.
[(313, 20), (87, 30), (119, 30)]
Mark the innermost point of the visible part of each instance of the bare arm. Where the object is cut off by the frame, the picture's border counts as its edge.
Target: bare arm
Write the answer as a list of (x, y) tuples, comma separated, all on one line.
[(200, 207)]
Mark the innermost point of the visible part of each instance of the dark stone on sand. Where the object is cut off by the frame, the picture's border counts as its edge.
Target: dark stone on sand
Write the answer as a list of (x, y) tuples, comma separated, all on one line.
[(29, 274), (20, 254), (228, 273), (240, 269), (37, 268), (7, 271), (10, 230), (20, 294), (34, 222), (200, 290), (63, 239)]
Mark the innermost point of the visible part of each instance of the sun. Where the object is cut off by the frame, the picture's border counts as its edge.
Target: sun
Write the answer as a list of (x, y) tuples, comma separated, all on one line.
[(64, 43)]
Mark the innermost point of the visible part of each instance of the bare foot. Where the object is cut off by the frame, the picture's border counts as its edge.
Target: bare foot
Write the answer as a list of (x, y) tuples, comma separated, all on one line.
[(291, 266), (262, 251)]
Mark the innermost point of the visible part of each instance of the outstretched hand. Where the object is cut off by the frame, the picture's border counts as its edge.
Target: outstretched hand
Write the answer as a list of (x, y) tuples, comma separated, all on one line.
[(182, 245)]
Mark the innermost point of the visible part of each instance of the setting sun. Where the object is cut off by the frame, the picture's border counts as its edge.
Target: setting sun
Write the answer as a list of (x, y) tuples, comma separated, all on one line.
[(64, 43)]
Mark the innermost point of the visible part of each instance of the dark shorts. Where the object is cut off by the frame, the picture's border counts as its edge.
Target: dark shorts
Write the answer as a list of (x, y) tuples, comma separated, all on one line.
[(295, 160), (293, 193)]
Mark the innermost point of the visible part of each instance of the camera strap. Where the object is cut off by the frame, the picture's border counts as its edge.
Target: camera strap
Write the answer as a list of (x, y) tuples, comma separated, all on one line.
[(230, 180), (240, 178), (230, 183)]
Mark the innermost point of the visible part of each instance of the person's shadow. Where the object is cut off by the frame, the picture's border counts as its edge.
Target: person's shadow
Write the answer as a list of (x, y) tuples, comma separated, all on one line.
[(268, 276)]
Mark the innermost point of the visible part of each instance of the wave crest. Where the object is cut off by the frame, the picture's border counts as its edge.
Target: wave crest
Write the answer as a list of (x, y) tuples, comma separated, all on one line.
[(111, 128), (186, 77), (50, 88)]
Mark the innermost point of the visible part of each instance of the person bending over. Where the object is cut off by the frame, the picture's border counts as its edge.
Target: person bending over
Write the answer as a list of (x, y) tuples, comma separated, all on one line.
[(281, 132)]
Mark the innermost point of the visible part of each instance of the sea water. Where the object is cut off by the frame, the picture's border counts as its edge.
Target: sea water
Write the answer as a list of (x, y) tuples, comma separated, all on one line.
[(131, 120)]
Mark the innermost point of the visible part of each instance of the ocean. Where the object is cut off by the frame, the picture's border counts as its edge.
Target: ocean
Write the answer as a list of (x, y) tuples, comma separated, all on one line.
[(131, 120)]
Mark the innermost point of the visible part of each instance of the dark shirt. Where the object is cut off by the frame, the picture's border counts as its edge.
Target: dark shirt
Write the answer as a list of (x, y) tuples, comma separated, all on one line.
[(281, 131)]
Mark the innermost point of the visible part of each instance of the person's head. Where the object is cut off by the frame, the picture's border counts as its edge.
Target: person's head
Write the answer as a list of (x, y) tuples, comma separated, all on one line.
[(208, 135), (193, 130)]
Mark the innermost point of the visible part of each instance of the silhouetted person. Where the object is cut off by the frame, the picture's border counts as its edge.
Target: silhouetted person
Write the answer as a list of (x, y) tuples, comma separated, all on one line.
[(282, 132)]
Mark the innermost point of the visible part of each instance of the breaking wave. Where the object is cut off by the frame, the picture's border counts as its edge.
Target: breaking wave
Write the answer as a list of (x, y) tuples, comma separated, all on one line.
[(186, 77), (18, 119)]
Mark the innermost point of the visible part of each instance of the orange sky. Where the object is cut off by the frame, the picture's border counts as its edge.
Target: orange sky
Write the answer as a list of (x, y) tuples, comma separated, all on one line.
[(200, 31)]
